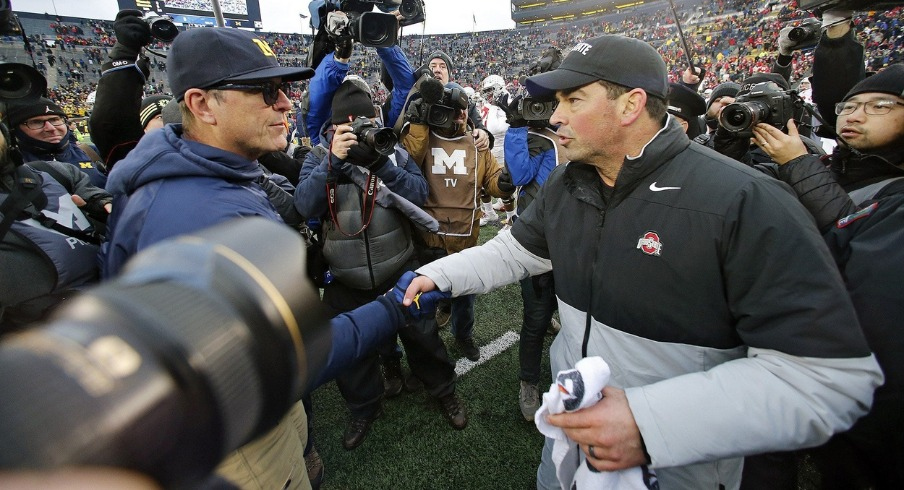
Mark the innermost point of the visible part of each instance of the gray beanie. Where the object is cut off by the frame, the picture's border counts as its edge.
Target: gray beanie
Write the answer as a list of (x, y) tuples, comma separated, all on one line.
[(443, 56)]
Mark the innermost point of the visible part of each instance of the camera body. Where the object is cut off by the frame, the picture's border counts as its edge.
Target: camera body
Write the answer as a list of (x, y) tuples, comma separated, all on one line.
[(805, 35), (532, 109), (764, 103), (383, 140), (374, 29), (443, 113)]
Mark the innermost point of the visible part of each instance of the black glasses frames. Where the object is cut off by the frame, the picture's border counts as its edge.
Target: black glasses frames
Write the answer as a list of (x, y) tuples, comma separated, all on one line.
[(270, 90)]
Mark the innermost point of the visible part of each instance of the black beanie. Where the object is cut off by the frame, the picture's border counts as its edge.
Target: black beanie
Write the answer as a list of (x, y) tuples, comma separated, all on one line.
[(351, 100), (151, 107), (887, 81), (19, 112), (685, 102), (443, 56), (727, 89)]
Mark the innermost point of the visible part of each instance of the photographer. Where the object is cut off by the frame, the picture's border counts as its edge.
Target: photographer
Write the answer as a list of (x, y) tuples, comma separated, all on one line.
[(439, 66), (532, 151), (761, 90), (46, 252), (858, 203), (368, 244), (439, 137), (42, 133)]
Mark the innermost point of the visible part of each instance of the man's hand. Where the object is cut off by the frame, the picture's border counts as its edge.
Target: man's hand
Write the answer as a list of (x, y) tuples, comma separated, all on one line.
[(422, 304), (609, 427), (131, 30), (504, 182), (781, 147), (692, 77), (417, 112), (481, 139), (418, 285), (342, 141), (512, 115)]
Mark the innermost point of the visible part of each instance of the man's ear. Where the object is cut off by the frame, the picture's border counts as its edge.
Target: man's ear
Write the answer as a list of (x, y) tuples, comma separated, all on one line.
[(632, 105), (199, 103)]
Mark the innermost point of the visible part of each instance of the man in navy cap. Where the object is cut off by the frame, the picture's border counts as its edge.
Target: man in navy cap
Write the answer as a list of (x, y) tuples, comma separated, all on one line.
[(189, 176), (674, 264)]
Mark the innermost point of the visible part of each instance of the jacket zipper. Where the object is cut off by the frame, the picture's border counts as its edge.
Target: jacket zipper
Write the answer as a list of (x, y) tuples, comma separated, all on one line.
[(593, 270)]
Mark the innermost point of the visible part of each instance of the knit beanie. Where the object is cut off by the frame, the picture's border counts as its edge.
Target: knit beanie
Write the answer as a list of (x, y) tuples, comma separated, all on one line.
[(888, 81), (727, 89), (351, 100), (172, 113), (443, 56), (19, 112), (151, 107)]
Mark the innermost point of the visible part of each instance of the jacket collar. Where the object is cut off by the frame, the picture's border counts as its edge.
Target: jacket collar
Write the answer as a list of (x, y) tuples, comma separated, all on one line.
[(662, 147)]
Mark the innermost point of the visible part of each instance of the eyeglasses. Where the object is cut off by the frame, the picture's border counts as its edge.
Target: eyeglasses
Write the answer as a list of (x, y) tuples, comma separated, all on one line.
[(873, 107), (36, 124), (270, 90)]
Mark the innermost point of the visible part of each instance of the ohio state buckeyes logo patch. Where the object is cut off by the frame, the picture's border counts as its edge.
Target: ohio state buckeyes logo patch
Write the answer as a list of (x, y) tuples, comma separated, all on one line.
[(650, 244)]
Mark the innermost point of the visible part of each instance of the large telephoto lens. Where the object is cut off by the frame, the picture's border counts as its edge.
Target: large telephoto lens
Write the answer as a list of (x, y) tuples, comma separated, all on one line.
[(381, 139), (201, 345), (20, 82)]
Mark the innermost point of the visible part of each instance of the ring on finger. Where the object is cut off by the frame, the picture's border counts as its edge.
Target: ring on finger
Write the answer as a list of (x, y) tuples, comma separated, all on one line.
[(592, 454)]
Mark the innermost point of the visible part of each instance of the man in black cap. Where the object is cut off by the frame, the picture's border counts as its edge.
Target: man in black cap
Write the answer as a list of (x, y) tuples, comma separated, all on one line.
[(859, 205), (202, 172), (42, 134), (687, 106), (657, 250), (721, 96)]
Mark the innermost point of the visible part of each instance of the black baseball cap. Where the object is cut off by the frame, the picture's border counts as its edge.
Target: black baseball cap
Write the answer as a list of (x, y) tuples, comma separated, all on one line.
[(205, 56), (617, 59)]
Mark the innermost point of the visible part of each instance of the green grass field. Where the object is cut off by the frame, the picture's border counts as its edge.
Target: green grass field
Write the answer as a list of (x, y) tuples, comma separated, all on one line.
[(412, 446)]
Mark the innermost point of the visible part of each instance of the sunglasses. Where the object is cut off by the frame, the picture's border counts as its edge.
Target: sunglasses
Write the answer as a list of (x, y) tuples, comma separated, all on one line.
[(270, 90)]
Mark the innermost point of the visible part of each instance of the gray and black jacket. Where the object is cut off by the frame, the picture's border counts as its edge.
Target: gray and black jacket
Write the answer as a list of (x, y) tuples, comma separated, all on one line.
[(709, 291)]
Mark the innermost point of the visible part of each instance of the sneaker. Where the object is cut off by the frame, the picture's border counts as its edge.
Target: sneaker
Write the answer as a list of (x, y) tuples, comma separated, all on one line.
[(498, 205), (443, 316), (315, 468), (554, 327), (529, 400), (454, 411), (392, 378), (466, 346), (357, 430), (486, 218), (413, 384)]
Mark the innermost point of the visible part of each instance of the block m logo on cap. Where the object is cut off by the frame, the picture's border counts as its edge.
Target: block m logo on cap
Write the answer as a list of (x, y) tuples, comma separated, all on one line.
[(264, 47)]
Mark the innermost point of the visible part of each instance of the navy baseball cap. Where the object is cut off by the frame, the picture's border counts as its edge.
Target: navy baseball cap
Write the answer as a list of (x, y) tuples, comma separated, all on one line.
[(617, 59), (205, 56)]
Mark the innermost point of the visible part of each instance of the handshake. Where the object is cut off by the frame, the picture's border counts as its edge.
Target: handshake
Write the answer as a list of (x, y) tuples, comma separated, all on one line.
[(424, 304)]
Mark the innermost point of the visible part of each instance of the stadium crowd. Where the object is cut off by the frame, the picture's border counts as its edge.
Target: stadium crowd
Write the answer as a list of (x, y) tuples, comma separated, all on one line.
[(630, 172)]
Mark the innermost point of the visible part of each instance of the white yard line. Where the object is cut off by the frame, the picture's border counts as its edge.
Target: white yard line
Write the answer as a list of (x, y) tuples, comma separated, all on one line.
[(488, 352)]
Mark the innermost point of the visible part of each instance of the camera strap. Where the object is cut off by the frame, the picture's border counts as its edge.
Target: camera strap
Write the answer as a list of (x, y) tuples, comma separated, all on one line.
[(370, 194)]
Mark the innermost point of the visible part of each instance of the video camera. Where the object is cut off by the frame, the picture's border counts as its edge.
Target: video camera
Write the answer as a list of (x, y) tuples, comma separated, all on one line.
[(443, 104), (764, 103), (201, 345), (532, 109), (377, 29), (383, 140)]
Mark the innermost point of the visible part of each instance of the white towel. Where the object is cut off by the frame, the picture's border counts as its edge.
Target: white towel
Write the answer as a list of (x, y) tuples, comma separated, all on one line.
[(575, 389)]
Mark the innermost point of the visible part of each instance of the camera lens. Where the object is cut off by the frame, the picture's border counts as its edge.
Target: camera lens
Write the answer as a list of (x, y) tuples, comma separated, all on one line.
[(440, 116), (163, 29), (383, 140), (19, 81), (742, 116)]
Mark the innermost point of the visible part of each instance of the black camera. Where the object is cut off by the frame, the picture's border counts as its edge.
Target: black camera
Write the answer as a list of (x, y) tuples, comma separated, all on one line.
[(764, 103), (806, 35), (162, 27), (443, 113), (383, 140), (374, 29), (9, 22), (532, 109), (411, 11), (20, 82), (202, 345)]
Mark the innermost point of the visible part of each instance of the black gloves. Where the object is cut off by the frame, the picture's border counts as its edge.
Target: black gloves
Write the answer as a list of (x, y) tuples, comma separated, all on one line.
[(344, 47), (504, 182), (417, 112), (424, 304), (132, 34), (512, 114), (363, 155)]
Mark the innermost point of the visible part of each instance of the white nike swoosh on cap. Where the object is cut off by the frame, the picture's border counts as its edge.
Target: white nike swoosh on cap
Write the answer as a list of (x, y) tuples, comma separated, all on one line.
[(655, 188)]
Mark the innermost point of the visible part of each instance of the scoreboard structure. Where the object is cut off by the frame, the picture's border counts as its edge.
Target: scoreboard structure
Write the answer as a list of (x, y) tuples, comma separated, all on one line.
[(236, 13), (527, 12)]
